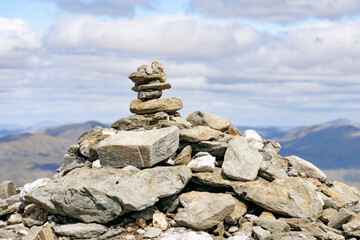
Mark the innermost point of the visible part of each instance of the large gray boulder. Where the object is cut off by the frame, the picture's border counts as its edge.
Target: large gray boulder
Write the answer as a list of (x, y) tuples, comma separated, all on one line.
[(289, 196), (203, 209), (138, 148), (101, 195), (241, 161)]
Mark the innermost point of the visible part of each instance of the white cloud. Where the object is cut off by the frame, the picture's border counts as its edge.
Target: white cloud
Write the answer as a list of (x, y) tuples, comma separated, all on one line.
[(276, 10)]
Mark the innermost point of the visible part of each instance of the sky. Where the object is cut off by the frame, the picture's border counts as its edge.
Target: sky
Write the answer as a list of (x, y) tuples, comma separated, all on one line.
[(255, 62)]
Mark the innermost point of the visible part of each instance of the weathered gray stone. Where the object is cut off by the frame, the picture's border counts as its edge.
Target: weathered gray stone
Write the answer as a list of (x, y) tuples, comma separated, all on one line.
[(87, 146), (152, 232), (151, 86), (272, 225), (9, 205), (70, 163), (241, 161), (353, 225), (328, 214), (203, 210), (289, 196), (340, 218), (261, 234), (168, 105), (351, 195), (101, 195), (46, 234), (303, 166), (272, 146), (148, 95), (214, 179), (199, 133), (91, 132), (183, 234), (74, 149), (33, 233), (200, 118), (294, 236), (239, 211), (7, 189), (273, 166), (184, 157), (143, 77), (138, 148), (80, 230)]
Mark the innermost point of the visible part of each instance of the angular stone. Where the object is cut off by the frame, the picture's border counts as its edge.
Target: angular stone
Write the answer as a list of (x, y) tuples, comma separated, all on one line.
[(289, 196), (142, 77), (101, 195), (272, 146), (273, 166), (303, 166), (9, 205), (184, 157), (199, 133), (241, 161), (294, 236), (168, 105), (46, 234), (159, 221), (88, 145), (7, 189), (148, 95), (91, 132), (33, 233), (350, 194), (261, 233), (353, 225), (33, 185), (254, 139), (216, 148), (152, 232), (215, 179), (71, 162), (80, 230), (239, 211), (204, 210), (203, 163), (340, 218), (267, 215), (138, 148), (272, 225), (151, 86), (233, 131), (328, 214), (200, 118)]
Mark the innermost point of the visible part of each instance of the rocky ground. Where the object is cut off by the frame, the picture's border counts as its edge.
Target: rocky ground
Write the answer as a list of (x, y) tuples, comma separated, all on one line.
[(156, 175)]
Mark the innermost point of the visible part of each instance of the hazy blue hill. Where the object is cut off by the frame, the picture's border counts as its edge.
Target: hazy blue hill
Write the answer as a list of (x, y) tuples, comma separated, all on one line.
[(327, 146)]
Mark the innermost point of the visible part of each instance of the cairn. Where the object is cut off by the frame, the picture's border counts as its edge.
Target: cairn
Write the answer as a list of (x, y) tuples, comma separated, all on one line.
[(149, 84), (156, 175)]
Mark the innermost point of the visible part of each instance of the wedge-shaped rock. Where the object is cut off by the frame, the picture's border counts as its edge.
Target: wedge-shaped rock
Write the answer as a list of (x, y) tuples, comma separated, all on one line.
[(138, 148), (199, 133), (204, 210), (310, 170), (200, 118), (294, 197), (168, 105), (101, 195), (241, 161), (273, 166)]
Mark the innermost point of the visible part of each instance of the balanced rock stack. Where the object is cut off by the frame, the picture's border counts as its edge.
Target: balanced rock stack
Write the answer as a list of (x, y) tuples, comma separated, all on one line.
[(160, 176), (149, 84)]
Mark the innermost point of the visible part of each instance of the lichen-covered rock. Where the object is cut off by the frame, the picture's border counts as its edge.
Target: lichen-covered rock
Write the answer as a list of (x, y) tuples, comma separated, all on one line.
[(241, 162), (138, 148), (289, 196), (101, 195)]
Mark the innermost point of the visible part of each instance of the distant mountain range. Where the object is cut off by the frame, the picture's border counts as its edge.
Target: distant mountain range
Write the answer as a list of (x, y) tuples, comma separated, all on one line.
[(28, 155)]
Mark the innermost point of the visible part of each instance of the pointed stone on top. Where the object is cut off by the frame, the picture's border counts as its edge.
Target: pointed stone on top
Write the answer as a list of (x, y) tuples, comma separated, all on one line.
[(146, 74)]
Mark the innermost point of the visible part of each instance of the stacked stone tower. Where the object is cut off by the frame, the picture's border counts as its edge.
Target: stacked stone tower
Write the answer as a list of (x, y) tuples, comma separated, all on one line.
[(149, 84)]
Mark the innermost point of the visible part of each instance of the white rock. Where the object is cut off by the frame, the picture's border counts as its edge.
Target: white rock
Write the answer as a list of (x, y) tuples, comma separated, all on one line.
[(152, 232), (256, 144), (204, 163), (108, 131), (34, 185), (239, 237), (96, 164), (159, 221), (172, 234), (140, 231), (252, 135)]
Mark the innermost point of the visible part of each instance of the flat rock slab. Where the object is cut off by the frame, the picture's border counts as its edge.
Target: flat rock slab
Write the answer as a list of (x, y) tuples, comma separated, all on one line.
[(241, 161), (215, 179), (151, 86), (80, 230), (101, 195), (168, 105), (143, 77), (138, 148), (309, 169), (204, 210), (200, 133), (294, 197), (200, 118)]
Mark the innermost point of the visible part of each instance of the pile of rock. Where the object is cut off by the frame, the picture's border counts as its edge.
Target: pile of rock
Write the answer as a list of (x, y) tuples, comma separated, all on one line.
[(149, 84), (160, 176)]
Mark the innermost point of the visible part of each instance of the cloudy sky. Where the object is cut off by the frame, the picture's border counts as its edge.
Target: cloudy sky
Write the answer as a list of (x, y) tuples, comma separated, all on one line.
[(255, 62)]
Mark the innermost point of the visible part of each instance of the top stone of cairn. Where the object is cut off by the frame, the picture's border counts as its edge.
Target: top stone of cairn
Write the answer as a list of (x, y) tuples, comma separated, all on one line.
[(146, 74)]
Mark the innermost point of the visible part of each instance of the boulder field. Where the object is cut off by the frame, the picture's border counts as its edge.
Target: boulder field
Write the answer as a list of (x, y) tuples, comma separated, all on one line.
[(157, 175)]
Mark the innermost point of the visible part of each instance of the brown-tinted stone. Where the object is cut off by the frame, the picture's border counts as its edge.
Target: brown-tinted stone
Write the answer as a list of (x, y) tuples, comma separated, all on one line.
[(168, 105)]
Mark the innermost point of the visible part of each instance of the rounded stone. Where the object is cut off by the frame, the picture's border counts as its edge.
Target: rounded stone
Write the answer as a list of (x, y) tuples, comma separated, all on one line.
[(144, 96)]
